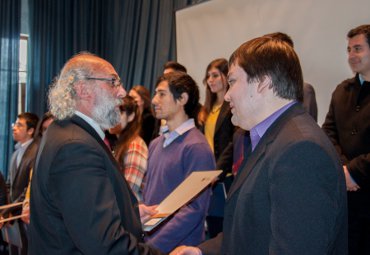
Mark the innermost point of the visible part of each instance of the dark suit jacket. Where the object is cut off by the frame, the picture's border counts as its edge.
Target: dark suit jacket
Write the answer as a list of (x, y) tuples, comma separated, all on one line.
[(3, 193), (289, 197), (348, 127), (80, 202), (223, 138), (20, 176)]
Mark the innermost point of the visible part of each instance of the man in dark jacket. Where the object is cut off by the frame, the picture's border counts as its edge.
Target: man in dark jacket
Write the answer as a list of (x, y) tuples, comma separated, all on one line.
[(348, 127), (80, 203)]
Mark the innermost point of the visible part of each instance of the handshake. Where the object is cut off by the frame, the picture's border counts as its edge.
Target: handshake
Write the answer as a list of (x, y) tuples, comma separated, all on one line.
[(186, 250)]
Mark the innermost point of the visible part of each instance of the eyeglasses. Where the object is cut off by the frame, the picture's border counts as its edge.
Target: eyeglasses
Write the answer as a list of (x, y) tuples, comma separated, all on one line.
[(17, 124), (114, 82)]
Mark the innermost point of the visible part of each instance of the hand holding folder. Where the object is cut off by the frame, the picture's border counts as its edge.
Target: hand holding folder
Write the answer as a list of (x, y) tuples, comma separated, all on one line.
[(194, 184)]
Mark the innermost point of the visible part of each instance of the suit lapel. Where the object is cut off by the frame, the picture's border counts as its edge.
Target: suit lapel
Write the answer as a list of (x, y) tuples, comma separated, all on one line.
[(85, 126), (223, 114), (248, 165), (262, 146)]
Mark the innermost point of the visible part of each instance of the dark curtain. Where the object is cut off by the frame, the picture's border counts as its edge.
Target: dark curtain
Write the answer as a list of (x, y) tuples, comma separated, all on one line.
[(9, 45), (136, 36)]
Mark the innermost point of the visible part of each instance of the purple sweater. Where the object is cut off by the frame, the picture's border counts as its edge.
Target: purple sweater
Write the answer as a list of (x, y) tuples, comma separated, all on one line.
[(167, 168)]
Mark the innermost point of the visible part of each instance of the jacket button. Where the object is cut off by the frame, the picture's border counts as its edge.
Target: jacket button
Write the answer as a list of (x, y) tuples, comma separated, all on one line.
[(354, 132), (358, 108)]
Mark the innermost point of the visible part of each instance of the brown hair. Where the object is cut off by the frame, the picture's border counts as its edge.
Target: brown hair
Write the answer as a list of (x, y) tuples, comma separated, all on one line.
[(221, 65), (145, 96), (363, 29), (131, 131), (266, 56)]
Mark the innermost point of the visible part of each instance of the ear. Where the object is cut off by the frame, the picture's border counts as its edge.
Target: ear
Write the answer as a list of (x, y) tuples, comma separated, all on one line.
[(183, 99), (131, 117), (31, 131), (264, 84)]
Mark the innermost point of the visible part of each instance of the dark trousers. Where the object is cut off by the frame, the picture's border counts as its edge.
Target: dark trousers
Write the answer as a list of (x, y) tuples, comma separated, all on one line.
[(15, 250), (358, 234), (214, 225)]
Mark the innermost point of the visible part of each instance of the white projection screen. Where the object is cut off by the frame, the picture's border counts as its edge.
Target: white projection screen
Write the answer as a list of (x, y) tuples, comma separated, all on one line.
[(318, 28)]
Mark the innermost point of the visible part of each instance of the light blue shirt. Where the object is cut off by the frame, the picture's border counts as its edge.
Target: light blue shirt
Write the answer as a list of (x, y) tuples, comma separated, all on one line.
[(21, 148), (171, 136), (361, 79)]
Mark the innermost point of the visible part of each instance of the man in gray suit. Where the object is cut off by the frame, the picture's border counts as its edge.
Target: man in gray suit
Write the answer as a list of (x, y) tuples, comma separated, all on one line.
[(80, 202), (21, 163), (289, 196)]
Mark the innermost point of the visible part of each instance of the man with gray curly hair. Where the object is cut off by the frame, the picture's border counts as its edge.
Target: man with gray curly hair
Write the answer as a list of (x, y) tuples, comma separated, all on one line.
[(80, 203)]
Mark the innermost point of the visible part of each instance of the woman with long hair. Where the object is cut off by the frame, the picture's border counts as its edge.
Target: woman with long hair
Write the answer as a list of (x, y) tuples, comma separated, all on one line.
[(141, 95), (131, 151), (218, 131)]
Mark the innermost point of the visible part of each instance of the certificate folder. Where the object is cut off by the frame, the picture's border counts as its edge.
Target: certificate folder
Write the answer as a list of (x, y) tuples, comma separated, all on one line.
[(194, 184)]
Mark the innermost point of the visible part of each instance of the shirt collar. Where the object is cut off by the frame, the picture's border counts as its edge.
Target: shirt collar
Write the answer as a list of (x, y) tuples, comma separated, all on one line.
[(92, 123), (361, 79), (260, 129), (23, 145), (180, 130)]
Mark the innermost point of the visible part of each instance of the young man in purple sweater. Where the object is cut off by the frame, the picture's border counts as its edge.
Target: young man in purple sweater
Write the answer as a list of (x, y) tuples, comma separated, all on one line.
[(173, 156)]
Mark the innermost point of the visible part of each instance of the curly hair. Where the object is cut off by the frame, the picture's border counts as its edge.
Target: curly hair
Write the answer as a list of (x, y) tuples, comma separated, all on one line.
[(62, 95)]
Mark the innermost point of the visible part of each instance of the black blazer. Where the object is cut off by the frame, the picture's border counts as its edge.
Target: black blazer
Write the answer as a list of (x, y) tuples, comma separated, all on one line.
[(289, 197), (80, 202), (20, 176), (223, 137), (348, 127)]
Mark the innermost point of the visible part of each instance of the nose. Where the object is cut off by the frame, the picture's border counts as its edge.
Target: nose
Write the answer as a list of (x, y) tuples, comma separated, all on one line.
[(154, 100), (227, 95), (121, 92)]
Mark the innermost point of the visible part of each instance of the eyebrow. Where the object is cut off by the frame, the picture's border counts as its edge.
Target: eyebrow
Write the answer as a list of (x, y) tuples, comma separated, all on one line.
[(161, 90)]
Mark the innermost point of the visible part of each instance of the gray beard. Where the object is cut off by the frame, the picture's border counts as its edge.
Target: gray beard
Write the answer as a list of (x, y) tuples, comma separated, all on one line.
[(105, 112)]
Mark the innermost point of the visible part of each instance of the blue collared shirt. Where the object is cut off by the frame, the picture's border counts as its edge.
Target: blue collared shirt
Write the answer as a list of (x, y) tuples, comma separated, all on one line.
[(260, 129), (184, 127)]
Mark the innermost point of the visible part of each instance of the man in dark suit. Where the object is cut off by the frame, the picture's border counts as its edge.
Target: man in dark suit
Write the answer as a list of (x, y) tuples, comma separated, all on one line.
[(348, 127), (80, 203), (289, 195), (21, 163)]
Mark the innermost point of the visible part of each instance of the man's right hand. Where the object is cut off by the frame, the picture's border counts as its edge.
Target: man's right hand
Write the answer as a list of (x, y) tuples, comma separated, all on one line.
[(350, 183)]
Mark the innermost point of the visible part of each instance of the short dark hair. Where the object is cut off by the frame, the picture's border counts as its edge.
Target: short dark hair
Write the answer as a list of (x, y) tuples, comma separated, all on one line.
[(180, 82), (281, 36), (266, 56), (176, 66), (31, 120), (363, 29)]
